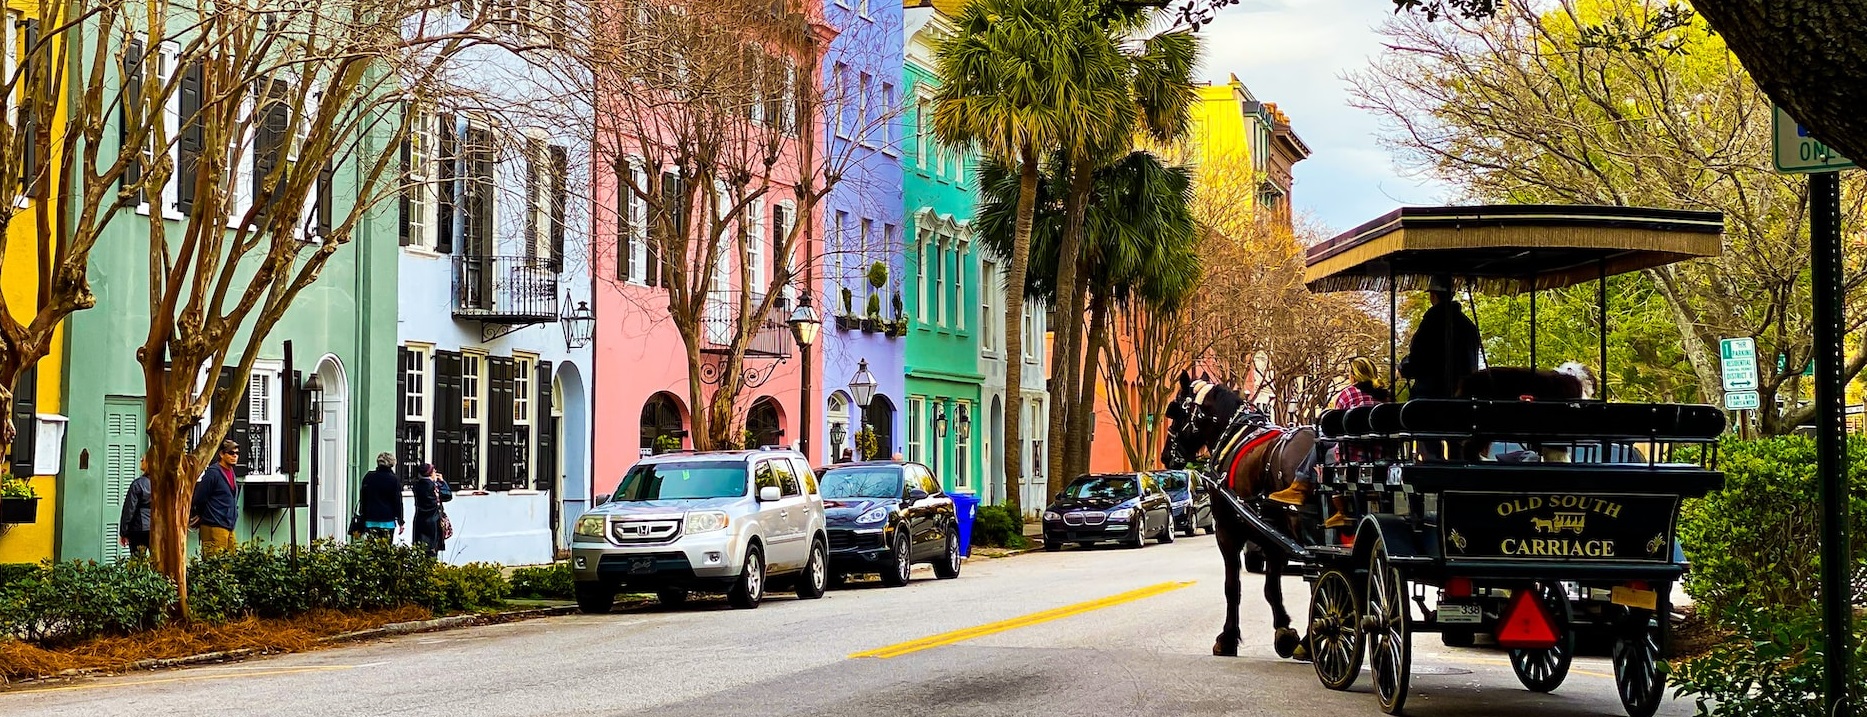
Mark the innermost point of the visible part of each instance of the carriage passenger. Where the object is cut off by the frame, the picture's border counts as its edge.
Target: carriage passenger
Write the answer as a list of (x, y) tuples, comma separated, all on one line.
[(1364, 389)]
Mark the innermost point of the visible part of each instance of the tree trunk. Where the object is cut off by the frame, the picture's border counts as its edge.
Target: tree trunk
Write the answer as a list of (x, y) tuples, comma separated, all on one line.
[(1082, 416), (1802, 54), (697, 430), (1014, 317), (1065, 351)]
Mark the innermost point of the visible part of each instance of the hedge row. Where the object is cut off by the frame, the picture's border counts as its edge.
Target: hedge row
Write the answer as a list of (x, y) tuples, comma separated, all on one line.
[(60, 603)]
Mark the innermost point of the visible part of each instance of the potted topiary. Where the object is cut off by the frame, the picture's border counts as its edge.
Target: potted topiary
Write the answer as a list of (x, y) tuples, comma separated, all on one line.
[(868, 444), (899, 326), (847, 321), (873, 322), (18, 502)]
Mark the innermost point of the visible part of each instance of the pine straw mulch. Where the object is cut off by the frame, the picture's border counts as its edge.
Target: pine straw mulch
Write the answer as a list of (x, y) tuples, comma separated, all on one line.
[(25, 661), (1694, 636)]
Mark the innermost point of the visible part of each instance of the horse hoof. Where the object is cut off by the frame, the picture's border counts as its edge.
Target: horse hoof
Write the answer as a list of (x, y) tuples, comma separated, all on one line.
[(1287, 642), (1301, 654), (1223, 648)]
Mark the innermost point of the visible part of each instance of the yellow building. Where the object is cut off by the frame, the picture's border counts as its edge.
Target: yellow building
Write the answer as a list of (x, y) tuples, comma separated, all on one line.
[(1242, 148), (41, 389)]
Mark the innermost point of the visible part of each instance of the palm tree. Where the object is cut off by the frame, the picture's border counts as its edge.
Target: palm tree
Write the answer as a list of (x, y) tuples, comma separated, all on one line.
[(1017, 77), (1139, 252)]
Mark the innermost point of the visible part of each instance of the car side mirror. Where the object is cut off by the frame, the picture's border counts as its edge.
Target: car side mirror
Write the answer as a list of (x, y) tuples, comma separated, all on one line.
[(768, 494), (916, 495)]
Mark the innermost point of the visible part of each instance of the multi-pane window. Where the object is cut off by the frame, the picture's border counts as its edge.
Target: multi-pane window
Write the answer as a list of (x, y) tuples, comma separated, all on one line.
[(959, 288), (472, 367), (839, 239), (938, 254), (863, 84), (888, 109), (923, 140), (263, 424), (962, 449), (917, 410), (419, 192), (412, 431), (167, 59), (472, 422), (988, 305), (632, 223), (1027, 331), (868, 229), (539, 192), (839, 78), (753, 224), (523, 370), (783, 220)]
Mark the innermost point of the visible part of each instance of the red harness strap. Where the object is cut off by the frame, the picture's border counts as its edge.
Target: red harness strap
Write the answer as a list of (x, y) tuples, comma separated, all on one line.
[(1238, 459)]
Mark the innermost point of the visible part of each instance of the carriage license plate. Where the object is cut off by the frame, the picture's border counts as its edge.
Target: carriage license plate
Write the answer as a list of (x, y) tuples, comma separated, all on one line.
[(641, 565), (1643, 599), (1460, 614)]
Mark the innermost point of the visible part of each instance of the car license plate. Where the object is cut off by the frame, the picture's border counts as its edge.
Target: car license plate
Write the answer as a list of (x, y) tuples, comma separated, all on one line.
[(1460, 614), (641, 565)]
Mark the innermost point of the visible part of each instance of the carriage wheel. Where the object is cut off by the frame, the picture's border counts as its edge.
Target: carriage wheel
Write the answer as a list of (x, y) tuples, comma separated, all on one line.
[(1390, 644), (1544, 670), (1637, 670), (1335, 646)]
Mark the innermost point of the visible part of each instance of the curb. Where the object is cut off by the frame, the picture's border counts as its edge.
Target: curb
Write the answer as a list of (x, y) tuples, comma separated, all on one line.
[(395, 628)]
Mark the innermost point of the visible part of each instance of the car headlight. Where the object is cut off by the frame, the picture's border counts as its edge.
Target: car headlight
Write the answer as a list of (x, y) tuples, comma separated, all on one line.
[(1052, 515), (589, 526), (876, 514), (706, 521), (1120, 513)]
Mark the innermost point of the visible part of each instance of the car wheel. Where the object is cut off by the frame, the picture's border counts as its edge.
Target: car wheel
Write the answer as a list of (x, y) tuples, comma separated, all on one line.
[(1166, 531), (671, 597), (1139, 540), (1051, 546), (811, 584), (901, 563), (749, 589), (948, 567), (595, 598)]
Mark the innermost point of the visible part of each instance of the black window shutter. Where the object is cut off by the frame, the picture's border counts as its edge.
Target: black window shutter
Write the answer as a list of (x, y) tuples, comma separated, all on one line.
[(444, 174), (625, 222), (290, 417), (269, 141), (25, 420), (480, 240), (779, 213), (241, 430), (29, 118), (498, 416), (534, 178), (402, 207), (189, 144), (446, 412), (560, 176), (545, 426), (325, 201), (128, 116)]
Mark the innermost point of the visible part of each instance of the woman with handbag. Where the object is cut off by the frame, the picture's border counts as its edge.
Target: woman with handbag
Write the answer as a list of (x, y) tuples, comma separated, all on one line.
[(432, 528)]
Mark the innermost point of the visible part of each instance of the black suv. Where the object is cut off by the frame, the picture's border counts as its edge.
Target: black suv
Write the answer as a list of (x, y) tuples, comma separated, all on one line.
[(885, 516)]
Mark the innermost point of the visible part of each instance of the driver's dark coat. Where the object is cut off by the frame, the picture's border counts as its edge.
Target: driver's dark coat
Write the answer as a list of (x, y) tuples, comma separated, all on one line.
[(1444, 350)]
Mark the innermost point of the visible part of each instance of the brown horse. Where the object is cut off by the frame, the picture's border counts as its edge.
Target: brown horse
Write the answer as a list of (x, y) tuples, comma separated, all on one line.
[(1251, 458)]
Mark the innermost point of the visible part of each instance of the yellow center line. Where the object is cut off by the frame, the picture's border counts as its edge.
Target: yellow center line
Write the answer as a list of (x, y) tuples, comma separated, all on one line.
[(184, 678), (948, 638)]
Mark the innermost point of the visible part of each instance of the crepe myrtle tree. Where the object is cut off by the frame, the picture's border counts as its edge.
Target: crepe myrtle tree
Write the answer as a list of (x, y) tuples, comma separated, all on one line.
[(257, 137), (710, 159)]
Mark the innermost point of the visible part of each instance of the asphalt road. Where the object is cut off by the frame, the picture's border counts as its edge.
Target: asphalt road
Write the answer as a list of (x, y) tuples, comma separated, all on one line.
[(1081, 632)]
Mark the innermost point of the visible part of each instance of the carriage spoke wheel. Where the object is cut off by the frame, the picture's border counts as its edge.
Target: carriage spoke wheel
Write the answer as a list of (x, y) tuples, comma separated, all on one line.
[(1390, 646), (1544, 670), (1335, 636), (1637, 672)]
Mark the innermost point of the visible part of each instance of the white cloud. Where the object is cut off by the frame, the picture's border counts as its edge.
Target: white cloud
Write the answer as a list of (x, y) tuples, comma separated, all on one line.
[(1294, 53)]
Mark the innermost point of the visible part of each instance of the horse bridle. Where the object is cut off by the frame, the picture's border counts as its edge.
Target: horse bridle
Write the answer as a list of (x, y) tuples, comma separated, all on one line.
[(1196, 413)]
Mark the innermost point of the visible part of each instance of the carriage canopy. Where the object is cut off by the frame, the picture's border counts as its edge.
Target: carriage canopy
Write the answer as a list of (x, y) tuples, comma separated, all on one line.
[(1509, 248)]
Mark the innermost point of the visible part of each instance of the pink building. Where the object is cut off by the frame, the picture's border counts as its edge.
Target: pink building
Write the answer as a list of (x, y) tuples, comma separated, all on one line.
[(647, 143)]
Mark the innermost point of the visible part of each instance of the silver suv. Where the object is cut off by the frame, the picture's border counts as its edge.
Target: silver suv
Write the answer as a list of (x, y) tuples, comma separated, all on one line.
[(718, 521)]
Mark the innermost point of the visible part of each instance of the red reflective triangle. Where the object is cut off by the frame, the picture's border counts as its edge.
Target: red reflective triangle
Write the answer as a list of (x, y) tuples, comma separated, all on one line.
[(1526, 624)]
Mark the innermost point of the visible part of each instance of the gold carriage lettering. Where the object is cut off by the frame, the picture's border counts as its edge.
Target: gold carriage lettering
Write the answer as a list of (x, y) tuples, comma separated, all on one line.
[(1590, 504), (1557, 548)]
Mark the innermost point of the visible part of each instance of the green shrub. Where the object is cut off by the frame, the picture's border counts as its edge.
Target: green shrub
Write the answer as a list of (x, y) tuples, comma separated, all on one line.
[(1770, 667), (263, 581), (1755, 543), (10, 572), (551, 581), (996, 526), (76, 600), (470, 587)]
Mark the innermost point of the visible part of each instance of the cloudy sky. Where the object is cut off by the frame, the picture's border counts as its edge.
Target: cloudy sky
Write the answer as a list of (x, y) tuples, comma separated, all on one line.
[(1294, 53)]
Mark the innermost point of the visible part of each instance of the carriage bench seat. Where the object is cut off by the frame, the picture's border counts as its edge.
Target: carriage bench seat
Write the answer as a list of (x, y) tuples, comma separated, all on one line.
[(1528, 420)]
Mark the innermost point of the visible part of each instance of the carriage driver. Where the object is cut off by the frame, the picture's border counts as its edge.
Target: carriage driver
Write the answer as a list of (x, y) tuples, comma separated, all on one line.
[(1364, 389), (1443, 351)]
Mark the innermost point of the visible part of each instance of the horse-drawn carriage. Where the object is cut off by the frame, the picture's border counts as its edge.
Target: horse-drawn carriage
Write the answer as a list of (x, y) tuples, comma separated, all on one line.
[(1571, 537)]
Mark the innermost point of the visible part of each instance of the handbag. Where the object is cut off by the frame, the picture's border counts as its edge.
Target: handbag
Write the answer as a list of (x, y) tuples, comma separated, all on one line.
[(447, 526), (356, 524)]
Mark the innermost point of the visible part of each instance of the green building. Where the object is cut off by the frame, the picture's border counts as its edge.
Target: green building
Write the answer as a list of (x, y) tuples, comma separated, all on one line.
[(343, 331), (939, 192)]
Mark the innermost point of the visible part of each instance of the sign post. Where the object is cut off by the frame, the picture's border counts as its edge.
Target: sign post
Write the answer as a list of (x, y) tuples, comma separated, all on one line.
[(1798, 152)]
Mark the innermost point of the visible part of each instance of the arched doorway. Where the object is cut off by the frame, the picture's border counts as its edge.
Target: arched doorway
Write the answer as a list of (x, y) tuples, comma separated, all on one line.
[(880, 415), (333, 447), (664, 424), (840, 432), (573, 461), (764, 423)]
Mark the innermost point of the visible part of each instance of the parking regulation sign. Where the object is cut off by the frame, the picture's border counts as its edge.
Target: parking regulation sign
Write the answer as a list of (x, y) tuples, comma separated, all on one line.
[(1798, 153), (1742, 401), (1738, 358)]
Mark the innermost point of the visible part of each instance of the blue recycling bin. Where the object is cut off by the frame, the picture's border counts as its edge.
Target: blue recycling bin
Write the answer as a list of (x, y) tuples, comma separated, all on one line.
[(965, 504)]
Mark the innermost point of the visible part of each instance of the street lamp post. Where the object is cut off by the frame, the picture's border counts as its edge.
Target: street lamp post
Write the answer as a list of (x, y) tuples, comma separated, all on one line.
[(862, 388), (805, 323), (838, 432), (579, 324)]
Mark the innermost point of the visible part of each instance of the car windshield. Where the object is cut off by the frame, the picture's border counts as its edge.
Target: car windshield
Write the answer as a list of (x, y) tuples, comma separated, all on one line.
[(1118, 487), (1171, 482), (862, 483), (683, 481)]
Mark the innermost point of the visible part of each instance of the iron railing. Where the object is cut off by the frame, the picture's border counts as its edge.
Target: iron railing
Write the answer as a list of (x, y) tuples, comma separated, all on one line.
[(505, 289)]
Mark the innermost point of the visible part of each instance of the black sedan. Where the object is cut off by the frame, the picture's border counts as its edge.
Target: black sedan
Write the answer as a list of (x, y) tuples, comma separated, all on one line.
[(1126, 507), (885, 516)]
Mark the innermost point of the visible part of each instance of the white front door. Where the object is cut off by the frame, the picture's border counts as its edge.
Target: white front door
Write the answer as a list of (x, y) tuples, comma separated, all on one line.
[(334, 469)]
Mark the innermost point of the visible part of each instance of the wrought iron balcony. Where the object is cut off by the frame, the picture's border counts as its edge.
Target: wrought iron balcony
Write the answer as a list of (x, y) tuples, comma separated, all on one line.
[(505, 293)]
